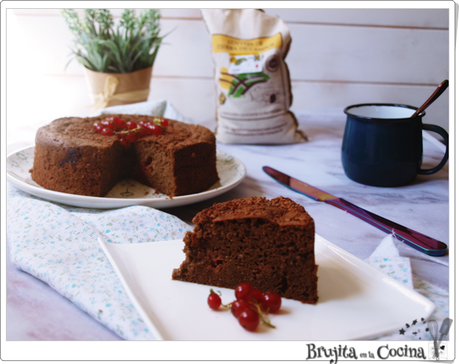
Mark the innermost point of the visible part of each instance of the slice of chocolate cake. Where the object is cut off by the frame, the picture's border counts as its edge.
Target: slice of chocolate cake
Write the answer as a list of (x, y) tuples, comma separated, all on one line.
[(267, 243)]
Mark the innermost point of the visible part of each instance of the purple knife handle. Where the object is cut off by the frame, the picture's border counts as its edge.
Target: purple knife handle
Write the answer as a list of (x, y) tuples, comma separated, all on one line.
[(414, 239)]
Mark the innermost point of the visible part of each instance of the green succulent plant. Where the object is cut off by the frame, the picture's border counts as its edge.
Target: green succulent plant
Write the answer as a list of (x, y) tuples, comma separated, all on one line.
[(102, 46)]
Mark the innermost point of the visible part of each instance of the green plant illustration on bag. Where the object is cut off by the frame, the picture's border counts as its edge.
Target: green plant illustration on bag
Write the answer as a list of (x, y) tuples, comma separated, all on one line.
[(239, 61), (238, 85)]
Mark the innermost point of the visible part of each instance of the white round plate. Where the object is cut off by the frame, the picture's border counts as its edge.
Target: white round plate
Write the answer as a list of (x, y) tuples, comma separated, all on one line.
[(126, 193)]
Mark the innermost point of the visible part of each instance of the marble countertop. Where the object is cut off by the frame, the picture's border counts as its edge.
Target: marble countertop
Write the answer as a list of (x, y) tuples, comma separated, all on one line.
[(34, 311)]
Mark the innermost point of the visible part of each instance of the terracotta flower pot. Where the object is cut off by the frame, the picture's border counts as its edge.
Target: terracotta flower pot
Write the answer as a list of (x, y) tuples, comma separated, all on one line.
[(110, 89)]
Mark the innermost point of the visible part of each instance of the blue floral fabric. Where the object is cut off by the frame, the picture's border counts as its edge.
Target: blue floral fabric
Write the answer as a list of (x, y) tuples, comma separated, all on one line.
[(387, 259), (58, 245)]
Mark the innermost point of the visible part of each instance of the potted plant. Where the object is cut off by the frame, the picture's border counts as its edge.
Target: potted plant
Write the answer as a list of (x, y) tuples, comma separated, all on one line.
[(117, 59)]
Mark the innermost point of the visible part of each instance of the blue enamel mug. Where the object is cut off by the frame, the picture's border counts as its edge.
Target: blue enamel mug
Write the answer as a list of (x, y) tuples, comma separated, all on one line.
[(382, 144)]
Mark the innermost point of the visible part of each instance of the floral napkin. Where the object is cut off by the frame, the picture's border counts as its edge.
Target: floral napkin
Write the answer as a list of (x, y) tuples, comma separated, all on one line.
[(58, 245), (387, 259)]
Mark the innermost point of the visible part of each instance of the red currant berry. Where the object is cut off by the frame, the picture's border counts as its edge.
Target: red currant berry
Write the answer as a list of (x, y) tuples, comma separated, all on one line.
[(122, 141), (249, 319), (255, 296), (121, 124), (214, 301), (131, 137), (98, 128), (238, 306), (242, 290), (164, 123), (155, 129), (108, 123), (115, 121), (272, 301), (142, 131), (143, 122), (131, 125), (107, 132)]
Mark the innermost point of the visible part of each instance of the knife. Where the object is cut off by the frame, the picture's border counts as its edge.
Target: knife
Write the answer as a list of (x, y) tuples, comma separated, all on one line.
[(413, 238)]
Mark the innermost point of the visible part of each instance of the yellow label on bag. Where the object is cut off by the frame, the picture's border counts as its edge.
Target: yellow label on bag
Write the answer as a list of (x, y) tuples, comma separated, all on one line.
[(235, 46)]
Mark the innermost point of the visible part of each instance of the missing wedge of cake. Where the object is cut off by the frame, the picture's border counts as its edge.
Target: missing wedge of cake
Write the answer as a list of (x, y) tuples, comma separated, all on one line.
[(266, 243)]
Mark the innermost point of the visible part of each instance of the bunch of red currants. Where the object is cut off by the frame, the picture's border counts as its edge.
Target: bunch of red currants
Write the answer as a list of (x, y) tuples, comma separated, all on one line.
[(250, 307), (130, 131)]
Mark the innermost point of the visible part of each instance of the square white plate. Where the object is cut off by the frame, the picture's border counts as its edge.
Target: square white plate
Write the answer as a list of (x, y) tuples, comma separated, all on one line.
[(356, 301)]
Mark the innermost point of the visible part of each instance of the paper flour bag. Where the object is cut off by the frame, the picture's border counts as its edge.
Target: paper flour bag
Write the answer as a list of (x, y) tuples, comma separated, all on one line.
[(251, 77)]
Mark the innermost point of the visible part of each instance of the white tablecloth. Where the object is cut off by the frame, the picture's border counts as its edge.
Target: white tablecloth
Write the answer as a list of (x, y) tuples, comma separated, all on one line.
[(57, 244)]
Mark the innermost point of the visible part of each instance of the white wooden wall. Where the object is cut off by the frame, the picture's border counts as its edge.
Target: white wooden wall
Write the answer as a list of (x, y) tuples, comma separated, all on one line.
[(338, 57)]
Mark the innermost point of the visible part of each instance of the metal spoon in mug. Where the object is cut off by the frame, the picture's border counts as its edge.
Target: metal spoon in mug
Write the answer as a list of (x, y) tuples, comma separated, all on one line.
[(438, 91)]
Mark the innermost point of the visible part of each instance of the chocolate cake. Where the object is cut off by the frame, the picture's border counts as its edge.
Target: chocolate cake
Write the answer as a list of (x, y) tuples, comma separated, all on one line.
[(267, 243), (71, 157)]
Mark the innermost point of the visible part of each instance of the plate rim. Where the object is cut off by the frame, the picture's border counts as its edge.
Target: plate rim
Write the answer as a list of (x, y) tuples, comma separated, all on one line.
[(113, 202), (346, 257)]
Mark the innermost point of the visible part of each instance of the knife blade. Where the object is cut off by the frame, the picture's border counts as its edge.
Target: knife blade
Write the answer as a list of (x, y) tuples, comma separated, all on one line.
[(414, 239)]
